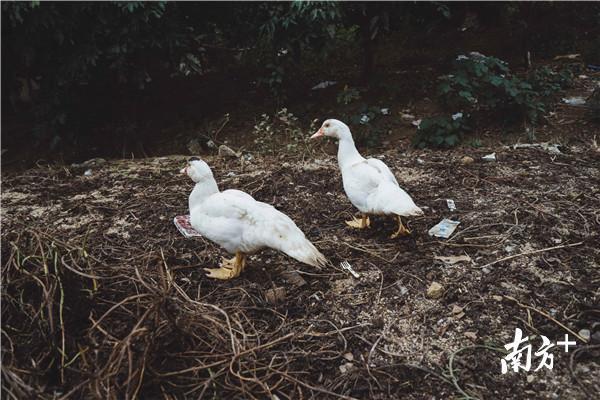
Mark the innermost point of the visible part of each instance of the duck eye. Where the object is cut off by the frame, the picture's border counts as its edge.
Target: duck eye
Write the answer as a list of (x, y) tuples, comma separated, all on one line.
[(326, 125)]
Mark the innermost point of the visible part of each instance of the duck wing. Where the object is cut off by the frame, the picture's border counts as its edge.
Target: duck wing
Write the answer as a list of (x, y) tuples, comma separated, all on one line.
[(383, 170)]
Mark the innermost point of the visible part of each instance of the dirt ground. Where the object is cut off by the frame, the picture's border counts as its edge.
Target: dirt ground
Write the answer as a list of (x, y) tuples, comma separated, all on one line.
[(104, 298)]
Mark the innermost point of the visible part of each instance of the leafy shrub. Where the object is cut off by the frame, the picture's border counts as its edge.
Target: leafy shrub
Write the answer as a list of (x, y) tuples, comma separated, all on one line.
[(479, 83), (441, 131), (485, 85)]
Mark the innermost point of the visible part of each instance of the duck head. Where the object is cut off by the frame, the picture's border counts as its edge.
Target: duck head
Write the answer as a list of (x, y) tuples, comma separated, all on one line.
[(197, 169), (333, 128)]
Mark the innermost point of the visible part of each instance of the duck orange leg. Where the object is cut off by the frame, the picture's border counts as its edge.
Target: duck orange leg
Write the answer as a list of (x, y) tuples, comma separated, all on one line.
[(229, 268), (361, 223), (402, 230)]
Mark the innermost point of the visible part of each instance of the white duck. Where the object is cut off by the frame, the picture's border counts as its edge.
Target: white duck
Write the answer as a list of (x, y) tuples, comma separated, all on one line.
[(369, 183), (242, 225)]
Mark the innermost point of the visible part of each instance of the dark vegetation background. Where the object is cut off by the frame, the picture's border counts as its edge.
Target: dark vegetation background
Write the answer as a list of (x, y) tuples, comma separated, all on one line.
[(123, 79)]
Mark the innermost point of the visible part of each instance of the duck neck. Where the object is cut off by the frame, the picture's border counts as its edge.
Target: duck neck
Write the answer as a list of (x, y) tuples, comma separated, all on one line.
[(347, 153), (201, 192)]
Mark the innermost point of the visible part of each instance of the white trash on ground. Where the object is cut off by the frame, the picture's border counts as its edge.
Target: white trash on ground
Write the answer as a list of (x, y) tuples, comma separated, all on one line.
[(549, 147), (323, 85), (444, 228), (451, 204), (489, 157), (574, 101)]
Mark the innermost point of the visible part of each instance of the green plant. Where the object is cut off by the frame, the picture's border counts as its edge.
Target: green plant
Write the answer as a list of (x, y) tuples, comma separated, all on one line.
[(283, 129), (348, 95), (441, 131), (486, 84)]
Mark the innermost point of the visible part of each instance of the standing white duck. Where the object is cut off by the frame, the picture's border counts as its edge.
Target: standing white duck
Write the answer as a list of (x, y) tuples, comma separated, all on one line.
[(242, 225), (369, 183)]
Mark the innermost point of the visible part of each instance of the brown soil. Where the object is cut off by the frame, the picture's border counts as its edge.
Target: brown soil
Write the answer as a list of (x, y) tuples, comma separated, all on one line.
[(103, 298)]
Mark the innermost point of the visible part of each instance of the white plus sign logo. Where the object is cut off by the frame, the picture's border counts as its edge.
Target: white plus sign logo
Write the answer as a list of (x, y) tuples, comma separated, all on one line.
[(566, 343)]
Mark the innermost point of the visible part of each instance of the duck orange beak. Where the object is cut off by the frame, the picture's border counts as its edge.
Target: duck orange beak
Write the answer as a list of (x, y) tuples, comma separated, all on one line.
[(318, 133)]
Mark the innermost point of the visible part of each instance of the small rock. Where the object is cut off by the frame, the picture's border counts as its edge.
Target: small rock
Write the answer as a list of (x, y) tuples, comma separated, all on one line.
[(88, 172), (530, 378), (466, 160), (471, 335), (349, 356), (435, 290), (226, 151), (346, 367), (486, 270), (420, 161), (586, 334), (497, 298), (211, 145)]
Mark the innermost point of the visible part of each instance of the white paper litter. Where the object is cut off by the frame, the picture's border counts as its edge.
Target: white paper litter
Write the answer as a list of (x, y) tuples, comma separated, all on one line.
[(489, 157), (549, 147), (451, 204), (323, 85), (444, 228), (574, 101), (182, 222)]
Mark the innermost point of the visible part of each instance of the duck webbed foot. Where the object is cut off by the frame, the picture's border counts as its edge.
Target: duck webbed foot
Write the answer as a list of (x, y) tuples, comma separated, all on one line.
[(229, 268), (359, 223), (402, 230)]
